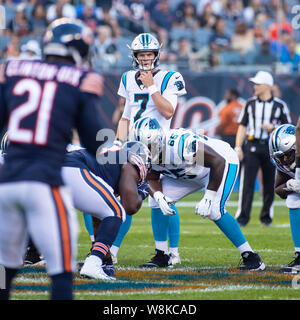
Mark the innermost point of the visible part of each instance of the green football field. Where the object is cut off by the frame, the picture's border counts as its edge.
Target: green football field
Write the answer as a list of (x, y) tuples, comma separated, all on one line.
[(209, 262)]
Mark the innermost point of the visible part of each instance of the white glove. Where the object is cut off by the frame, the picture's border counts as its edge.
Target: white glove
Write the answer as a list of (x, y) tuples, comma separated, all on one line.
[(204, 207), (164, 203), (293, 185)]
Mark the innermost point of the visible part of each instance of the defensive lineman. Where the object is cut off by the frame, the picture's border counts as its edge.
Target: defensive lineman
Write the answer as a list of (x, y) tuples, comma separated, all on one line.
[(149, 92), (94, 188), (41, 102), (190, 162), (282, 147)]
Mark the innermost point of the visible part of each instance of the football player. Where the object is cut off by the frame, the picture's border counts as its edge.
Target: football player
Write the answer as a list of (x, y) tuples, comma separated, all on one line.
[(282, 146), (95, 183), (297, 176), (184, 162), (40, 103), (149, 92)]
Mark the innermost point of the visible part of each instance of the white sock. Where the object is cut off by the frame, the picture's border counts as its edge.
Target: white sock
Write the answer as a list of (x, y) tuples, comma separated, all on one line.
[(245, 247), (162, 245), (114, 250), (174, 251)]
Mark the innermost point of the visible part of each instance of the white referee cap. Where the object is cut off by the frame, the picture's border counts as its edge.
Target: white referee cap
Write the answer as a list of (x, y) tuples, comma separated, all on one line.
[(263, 77)]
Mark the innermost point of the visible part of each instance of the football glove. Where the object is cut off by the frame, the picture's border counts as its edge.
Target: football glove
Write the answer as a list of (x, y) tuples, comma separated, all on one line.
[(164, 203), (204, 207), (143, 189), (293, 185)]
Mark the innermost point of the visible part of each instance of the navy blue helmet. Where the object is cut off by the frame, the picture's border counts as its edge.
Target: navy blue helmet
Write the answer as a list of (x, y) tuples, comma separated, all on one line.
[(68, 37)]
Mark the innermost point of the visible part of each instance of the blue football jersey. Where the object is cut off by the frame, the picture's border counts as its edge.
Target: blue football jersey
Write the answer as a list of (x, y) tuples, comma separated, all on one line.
[(40, 105)]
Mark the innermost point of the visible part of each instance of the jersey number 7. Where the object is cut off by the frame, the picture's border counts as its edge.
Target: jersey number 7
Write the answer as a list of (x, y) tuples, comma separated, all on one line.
[(145, 98)]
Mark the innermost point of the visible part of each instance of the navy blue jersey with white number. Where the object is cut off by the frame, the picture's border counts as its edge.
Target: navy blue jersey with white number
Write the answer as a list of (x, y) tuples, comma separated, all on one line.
[(40, 104)]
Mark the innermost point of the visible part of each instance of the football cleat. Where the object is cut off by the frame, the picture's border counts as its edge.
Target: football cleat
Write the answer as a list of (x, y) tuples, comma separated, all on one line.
[(294, 266), (174, 258), (33, 258), (252, 262), (160, 260), (108, 266), (93, 268)]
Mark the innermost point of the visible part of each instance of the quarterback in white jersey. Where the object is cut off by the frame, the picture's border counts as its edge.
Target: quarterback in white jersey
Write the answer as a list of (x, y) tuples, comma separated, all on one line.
[(184, 162), (282, 148), (147, 91), (139, 101)]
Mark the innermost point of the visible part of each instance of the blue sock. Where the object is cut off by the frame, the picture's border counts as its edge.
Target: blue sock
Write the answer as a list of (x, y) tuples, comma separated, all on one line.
[(174, 229), (229, 226), (125, 226), (160, 225), (62, 286), (295, 226), (88, 223)]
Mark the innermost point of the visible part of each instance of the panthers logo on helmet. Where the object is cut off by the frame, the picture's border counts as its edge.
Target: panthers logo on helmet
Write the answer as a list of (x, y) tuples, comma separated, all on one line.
[(145, 42)]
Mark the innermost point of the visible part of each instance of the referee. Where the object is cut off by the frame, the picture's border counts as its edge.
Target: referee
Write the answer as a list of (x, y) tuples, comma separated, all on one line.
[(261, 114)]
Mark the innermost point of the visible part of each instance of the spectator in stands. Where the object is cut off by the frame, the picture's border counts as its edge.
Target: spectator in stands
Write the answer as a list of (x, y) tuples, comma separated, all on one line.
[(20, 24), (290, 56), (186, 16), (31, 51), (207, 18), (280, 24), (228, 116), (106, 52), (134, 15), (243, 38), (186, 57), (88, 15), (38, 20), (162, 19), (59, 9), (108, 16), (219, 40), (259, 30), (13, 48), (280, 46), (264, 56)]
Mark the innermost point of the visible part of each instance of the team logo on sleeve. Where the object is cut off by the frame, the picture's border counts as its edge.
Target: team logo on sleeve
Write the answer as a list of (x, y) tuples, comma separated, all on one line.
[(179, 85)]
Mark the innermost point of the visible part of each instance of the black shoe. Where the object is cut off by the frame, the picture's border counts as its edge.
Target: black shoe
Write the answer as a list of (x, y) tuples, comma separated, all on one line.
[(251, 261), (108, 266), (32, 257), (160, 260), (294, 266)]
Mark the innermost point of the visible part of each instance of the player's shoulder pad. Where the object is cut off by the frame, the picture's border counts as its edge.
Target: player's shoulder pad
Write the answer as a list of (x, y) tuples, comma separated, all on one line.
[(176, 79), (92, 82)]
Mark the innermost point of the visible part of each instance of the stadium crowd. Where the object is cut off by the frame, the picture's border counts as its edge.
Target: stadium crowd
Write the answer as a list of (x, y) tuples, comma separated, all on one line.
[(196, 34)]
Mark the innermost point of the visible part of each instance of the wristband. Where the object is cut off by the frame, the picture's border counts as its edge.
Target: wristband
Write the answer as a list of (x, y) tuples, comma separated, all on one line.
[(210, 194), (152, 89), (237, 148)]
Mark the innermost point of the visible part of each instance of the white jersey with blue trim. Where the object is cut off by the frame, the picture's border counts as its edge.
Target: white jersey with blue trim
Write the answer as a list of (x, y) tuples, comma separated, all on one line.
[(180, 148), (139, 103)]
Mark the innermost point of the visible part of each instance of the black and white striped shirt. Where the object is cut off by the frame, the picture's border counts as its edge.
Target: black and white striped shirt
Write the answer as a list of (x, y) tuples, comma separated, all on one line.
[(257, 112)]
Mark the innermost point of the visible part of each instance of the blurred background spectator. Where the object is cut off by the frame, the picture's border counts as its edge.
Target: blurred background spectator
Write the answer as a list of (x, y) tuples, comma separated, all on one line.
[(196, 34)]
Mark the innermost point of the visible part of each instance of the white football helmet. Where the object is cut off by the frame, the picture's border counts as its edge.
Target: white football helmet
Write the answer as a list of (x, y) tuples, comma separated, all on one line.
[(148, 131), (145, 42), (282, 146)]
